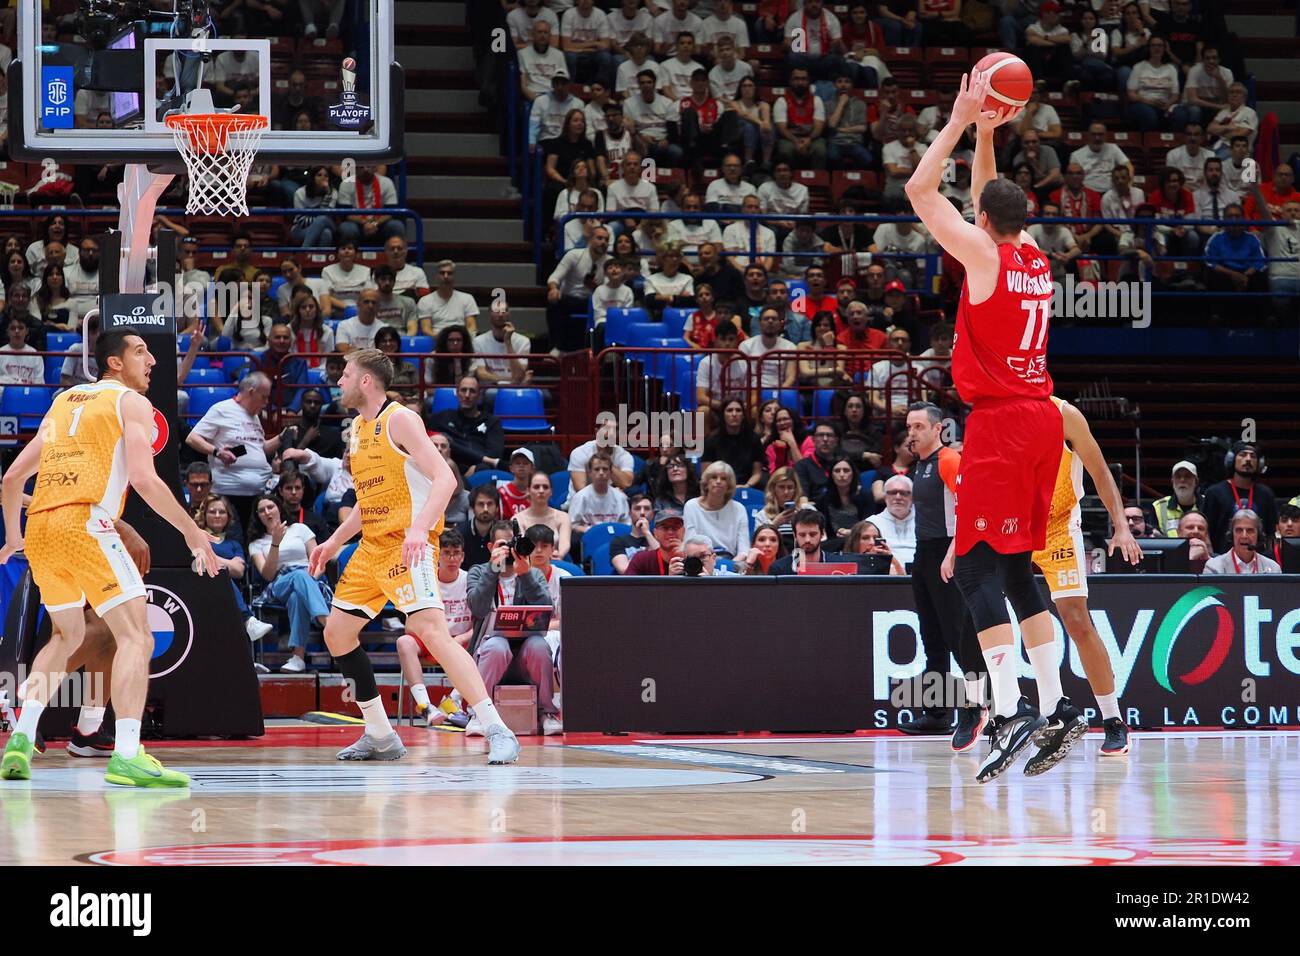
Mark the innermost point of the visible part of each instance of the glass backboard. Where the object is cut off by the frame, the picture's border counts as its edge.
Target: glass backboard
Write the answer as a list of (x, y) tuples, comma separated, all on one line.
[(92, 80)]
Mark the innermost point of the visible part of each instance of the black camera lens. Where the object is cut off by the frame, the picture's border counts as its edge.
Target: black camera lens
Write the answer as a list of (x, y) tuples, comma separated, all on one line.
[(524, 547), (693, 566)]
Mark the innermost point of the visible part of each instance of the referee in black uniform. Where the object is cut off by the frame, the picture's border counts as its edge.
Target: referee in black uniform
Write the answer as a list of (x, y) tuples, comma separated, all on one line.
[(946, 625)]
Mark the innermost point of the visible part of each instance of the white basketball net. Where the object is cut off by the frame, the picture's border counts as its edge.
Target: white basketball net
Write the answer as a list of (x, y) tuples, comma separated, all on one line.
[(218, 150)]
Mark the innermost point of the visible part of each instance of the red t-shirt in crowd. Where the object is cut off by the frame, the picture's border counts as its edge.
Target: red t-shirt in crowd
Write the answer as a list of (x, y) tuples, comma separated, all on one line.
[(709, 109), (512, 501), (1085, 205), (1184, 205), (648, 562)]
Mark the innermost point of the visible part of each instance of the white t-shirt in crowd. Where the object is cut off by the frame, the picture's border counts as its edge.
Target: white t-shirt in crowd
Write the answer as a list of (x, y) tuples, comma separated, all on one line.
[(692, 233), (896, 154), (1245, 116), (485, 343), (677, 73), (292, 552), (727, 528), (36, 258), (773, 372), (625, 78), (357, 334), (724, 84), (788, 201), (539, 68), (724, 193), (1159, 83), (72, 366), (410, 278), (588, 507), (83, 287), (650, 119), (1097, 166), (1192, 167), (226, 424), (642, 196), (734, 27), (582, 454), (346, 286), (455, 603), (595, 26), (659, 284), (622, 29), (443, 313), (722, 375), (547, 115), (521, 24), (606, 297), (668, 26), (21, 366), (735, 238), (884, 375)]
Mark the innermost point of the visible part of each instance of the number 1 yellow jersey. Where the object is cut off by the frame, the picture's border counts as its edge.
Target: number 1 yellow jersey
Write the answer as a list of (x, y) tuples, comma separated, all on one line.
[(83, 459)]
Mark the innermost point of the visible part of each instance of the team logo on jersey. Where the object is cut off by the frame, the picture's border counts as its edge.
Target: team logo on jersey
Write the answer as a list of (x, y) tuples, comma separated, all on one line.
[(1019, 261), (160, 432), (1063, 554), (1031, 369), (173, 630), (1010, 525), (981, 524)]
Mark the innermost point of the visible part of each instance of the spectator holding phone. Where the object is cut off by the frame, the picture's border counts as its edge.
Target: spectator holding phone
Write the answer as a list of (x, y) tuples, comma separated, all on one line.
[(865, 538), (232, 437)]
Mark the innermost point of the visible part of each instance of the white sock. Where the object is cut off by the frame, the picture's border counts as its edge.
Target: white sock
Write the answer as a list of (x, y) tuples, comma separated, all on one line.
[(1048, 676), (1001, 661), (29, 717), (975, 692), (421, 695), (487, 715), (377, 724), (127, 743), (89, 719), (1109, 705)]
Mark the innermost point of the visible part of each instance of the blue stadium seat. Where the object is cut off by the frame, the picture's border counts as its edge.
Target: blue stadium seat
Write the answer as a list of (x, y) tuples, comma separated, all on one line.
[(444, 400), (638, 333), (569, 566), (276, 283), (316, 375), (61, 341), (823, 399), (482, 477), (559, 489), (796, 286), (204, 397), (600, 560), (416, 343), (28, 402), (616, 323), (660, 365), (676, 319), (521, 410), (206, 376), (234, 366), (724, 564), (600, 535), (222, 343), (681, 379), (751, 498), (348, 312), (54, 369), (789, 397)]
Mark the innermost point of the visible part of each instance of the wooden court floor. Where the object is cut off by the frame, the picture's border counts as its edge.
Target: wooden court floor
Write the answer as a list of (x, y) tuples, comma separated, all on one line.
[(1178, 798)]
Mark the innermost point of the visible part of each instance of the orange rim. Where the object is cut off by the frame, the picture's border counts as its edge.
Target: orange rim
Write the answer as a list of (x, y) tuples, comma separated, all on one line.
[(209, 132)]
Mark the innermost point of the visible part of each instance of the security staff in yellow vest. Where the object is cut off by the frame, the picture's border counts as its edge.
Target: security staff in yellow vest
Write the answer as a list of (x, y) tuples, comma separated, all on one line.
[(1186, 497)]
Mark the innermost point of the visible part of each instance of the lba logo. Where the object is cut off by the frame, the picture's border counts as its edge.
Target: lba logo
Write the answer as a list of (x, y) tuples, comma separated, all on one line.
[(56, 97), (173, 630)]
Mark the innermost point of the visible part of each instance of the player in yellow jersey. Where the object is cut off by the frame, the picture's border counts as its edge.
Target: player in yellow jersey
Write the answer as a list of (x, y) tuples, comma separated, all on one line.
[(403, 485), (93, 444), (1064, 563)]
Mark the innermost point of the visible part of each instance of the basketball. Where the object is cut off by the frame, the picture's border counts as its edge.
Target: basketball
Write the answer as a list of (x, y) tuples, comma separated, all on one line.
[(1010, 81), (351, 64)]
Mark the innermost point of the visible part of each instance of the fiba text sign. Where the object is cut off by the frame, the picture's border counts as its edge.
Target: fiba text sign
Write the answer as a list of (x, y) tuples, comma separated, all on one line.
[(57, 97), (1185, 651)]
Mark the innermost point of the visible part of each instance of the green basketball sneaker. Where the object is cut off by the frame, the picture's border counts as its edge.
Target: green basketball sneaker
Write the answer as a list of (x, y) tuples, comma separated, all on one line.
[(142, 770), (17, 762)]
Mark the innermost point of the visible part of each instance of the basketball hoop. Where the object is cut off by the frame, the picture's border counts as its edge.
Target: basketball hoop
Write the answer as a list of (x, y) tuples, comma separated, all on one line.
[(218, 149)]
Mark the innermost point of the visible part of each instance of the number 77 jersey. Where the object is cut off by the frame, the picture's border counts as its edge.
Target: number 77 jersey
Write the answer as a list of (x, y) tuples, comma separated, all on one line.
[(1000, 347)]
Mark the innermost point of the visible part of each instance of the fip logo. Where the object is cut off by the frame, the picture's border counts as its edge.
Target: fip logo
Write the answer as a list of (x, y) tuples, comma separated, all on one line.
[(173, 631), (56, 97), (1173, 624)]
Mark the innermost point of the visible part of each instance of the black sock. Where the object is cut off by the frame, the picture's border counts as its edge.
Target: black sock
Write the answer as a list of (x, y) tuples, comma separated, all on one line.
[(356, 669)]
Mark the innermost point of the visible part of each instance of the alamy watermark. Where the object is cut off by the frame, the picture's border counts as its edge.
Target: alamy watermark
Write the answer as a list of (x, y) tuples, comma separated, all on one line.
[(637, 429), (1129, 301)]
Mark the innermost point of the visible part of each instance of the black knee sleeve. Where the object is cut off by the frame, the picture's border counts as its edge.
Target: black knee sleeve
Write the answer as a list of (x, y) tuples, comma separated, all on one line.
[(1022, 590), (976, 573), (355, 668)]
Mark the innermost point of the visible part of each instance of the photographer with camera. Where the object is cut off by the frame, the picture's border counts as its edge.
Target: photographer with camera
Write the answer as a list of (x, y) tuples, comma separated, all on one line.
[(508, 579)]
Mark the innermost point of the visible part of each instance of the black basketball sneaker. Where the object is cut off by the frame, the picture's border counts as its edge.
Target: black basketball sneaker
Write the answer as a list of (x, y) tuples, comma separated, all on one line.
[(1116, 742), (1066, 725), (970, 722), (98, 744), (1008, 736)]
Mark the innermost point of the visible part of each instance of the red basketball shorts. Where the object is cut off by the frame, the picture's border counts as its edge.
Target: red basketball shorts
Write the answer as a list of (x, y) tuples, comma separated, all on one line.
[(1009, 460)]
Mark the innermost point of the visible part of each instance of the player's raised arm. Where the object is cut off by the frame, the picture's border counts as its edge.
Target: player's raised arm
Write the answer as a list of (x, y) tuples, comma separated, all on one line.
[(25, 465), (407, 430), (1080, 437), (969, 244), (137, 423)]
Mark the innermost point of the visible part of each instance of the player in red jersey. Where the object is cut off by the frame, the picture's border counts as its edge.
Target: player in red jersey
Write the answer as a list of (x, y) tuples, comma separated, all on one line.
[(1013, 435)]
